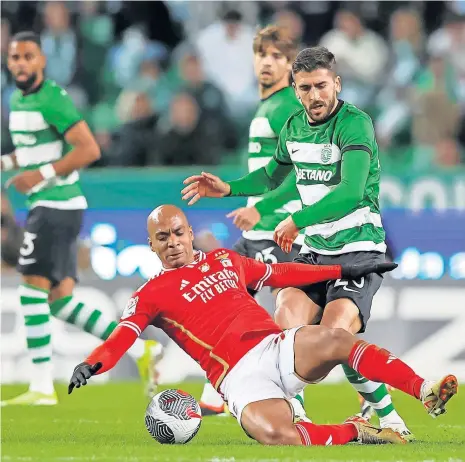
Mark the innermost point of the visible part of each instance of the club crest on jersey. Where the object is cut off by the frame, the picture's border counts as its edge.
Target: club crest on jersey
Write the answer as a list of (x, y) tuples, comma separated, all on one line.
[(130, 307), (326, 153), (204, 267), (225, 261)]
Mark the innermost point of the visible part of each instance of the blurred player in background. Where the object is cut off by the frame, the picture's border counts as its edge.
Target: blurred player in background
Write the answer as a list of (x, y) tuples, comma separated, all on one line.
[(254, 364), (332, 147), (274, 53), (52, 142)]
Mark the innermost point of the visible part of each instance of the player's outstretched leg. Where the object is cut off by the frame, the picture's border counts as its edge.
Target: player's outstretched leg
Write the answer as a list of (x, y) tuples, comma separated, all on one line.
[(336, 346), (36, 311), (270, 422), (376, 396), (344, 313), (68, 308)]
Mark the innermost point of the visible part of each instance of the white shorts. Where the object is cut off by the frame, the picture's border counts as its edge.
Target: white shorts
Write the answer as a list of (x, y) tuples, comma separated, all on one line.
[(265, 372)]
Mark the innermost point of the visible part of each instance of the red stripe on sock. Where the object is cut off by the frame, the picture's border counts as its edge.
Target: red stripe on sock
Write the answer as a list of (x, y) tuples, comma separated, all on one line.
[(326, 435), (381, 365)]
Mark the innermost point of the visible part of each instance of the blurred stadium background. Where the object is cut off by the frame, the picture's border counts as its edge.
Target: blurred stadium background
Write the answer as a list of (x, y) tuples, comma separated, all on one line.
[(168, 87)]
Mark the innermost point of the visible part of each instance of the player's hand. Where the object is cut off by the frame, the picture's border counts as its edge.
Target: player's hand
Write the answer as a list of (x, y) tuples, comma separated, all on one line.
[(81, 373), (25, 181), (204, 185), (285, 234), (358, 271), (245, 218)]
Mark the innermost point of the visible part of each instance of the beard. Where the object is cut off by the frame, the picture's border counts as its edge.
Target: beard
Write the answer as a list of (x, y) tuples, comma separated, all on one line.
[(26, 85), (326, 111)]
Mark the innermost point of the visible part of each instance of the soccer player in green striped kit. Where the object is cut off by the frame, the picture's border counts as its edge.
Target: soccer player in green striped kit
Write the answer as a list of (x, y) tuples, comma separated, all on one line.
[(52, 142), (274, 52), (331, 146)]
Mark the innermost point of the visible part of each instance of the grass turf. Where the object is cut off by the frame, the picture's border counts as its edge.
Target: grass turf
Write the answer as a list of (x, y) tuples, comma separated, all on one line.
[(106, 423)]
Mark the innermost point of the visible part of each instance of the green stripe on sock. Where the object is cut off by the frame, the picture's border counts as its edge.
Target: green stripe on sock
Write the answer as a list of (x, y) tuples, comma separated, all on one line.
[(38, 342), (34, 320), (75, 313), (57, 305), (111, 327), (30, 286), (40, 360), (385, 410), (93, 318), (352, 375), (32, 300), (375, 396)]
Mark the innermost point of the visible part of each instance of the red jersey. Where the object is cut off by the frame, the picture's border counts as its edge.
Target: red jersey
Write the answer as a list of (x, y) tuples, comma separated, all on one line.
[(205, 308)]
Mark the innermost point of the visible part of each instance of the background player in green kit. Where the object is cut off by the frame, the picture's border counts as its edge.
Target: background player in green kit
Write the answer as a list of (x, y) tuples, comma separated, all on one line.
[(274, 53), (331, 146), (52, 143)]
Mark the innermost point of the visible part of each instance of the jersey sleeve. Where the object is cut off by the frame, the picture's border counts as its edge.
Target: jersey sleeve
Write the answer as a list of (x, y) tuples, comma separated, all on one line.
[(356, 134), (60, 111), (259, 274), (137, 315), (256, 272)]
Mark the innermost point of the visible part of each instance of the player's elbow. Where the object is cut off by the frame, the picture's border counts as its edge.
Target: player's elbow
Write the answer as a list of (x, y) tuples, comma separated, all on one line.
[(93, 152), (354, 197)]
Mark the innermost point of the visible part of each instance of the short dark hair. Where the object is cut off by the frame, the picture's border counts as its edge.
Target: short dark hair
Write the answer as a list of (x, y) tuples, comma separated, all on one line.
[(233, 16), (314, 58), (26, 36)]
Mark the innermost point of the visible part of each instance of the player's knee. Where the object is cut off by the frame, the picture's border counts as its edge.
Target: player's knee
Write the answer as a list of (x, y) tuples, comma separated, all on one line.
[(285, 297), (277, 435), (291, 308), (64, 289)]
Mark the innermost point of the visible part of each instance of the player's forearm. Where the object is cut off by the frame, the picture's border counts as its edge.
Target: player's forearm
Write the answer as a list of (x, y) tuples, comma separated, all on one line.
[(260, 181), (299, 274), (275, 199), (343, 198), (111, 351), (79, 157), (8, 162)]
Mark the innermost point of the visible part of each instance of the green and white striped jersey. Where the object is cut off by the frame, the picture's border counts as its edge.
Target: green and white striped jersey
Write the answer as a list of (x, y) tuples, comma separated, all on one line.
[(316, 151), (38, 123), (265, 128)]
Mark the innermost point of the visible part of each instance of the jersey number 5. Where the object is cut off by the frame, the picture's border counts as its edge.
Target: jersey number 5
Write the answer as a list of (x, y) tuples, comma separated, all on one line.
[(28, 244)]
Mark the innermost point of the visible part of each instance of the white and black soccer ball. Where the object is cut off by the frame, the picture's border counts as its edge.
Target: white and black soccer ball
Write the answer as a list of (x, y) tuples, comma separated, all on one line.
[(173, 417)]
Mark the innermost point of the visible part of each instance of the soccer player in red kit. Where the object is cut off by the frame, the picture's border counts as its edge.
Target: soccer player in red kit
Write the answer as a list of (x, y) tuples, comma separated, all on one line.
[(201, 302)]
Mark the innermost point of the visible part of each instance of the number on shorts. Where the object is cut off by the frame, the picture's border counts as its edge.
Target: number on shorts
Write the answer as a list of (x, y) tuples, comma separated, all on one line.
[(28, 244), (266, 256), (345, 282)]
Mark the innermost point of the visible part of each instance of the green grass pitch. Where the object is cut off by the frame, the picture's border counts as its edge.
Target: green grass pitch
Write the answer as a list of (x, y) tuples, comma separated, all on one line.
[(106, 423)]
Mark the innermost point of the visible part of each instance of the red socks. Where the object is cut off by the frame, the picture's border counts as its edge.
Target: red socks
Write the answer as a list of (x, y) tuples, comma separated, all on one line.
[(380, 365), (325, 435)]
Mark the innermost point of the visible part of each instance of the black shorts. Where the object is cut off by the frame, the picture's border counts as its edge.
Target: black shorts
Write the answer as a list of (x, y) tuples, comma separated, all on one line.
[(360, 291), (50, 244), (264, 250)]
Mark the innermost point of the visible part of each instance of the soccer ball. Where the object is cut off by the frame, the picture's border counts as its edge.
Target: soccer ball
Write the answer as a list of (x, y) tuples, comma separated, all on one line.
[(173, 417)]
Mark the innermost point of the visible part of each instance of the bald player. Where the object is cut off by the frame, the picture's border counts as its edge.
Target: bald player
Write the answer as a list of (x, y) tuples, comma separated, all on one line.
[(201, 302)]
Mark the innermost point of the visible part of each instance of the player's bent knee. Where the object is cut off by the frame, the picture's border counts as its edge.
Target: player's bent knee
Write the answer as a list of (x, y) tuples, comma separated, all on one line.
[(294, 308)]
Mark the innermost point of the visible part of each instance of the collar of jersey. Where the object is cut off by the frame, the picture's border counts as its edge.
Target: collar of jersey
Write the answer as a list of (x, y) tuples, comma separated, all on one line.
[(199, 256)]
